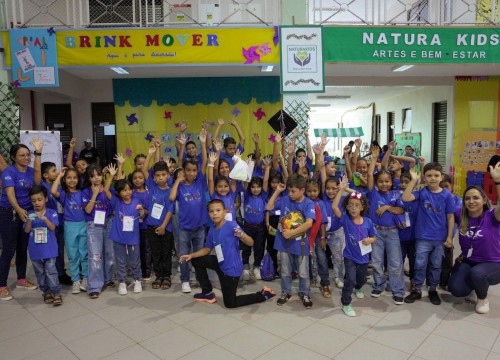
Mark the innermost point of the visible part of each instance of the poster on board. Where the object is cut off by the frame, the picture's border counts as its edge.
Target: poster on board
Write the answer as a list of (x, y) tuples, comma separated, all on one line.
[(52, 150), (407, 138)]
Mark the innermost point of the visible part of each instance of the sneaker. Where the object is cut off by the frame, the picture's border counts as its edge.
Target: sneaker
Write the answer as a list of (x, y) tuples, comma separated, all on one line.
[(110, 284), (414, 295), (482, 306), (146, 277), (339, 283), (94, 295), (268, 293), (434, 297), (283, 299), (246, 275), (186, 288), (256, 274), (5, 294), (472, 297), (348, 310), (65, 280), (208, 298), (398, 300), (375, 293), (325, 291), (122, 288), (76, 288), (137, 286), (359, 294), (306, 300), (83, 285), (25, 284)]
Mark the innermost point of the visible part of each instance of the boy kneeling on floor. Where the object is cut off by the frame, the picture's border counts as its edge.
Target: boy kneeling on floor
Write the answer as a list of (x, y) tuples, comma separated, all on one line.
[(224, 237)]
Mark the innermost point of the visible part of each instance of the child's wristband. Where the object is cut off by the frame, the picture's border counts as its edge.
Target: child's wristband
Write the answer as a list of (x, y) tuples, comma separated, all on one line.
[(211, 165)]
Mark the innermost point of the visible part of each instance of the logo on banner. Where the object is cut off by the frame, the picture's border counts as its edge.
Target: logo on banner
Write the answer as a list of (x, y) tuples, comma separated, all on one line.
[(302, 59)]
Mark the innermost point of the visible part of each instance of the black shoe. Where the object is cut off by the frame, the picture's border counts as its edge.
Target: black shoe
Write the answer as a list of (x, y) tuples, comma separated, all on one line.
[(65, 280), (398, 300), (306, 301), (110, 284), (283, 299), (414, 295), (94, 295), (434, 297), (375, 293)]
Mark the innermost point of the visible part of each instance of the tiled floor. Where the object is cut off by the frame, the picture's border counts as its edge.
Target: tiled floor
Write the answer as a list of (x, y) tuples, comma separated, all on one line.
[(170, 325)]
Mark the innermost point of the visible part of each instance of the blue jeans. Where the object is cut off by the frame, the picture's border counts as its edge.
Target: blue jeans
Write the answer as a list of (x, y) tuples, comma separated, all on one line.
[(388, 241), (336, 243), (46, 275), (14, 240), (434, 251), (321, 262), (189, 242), (258, 234), (355, 278), (124, 252), (75, 237), (101, 255), (468, 276), (287, 265)]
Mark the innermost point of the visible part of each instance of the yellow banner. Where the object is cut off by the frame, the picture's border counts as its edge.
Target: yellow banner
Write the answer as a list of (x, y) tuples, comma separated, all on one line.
[(164, 46)]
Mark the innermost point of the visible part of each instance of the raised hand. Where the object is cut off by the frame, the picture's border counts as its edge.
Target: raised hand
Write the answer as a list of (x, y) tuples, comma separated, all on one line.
[(220, 121), (62, 172), (324, 139), (180, 176), (203, 136), (205, 124), (267, 161), (96, 189), (278, 137), (414, 174), (317, 149), (358, 142), (167, 161), (255, 138), (347, 148), (291, 148), (112, 169), (233, 122), (72, 143), (182, 139), (495, 172), (157, 142), (218, 145), (306, 131), (151, 149), (183, 127), (375, 152), (281, 187), (392, 145), (344, 183), (37, 144), (237, 153), (212, 158), (301, 162), (119, 157)]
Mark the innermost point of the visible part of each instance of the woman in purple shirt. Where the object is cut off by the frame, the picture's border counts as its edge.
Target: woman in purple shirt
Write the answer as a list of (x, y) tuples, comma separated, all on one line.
[(478, 266)]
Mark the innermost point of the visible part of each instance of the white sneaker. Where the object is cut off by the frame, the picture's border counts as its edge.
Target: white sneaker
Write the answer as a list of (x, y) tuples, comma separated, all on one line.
[(359, 293), (348, 310), (246, 275), (83, 285), (339, 283), (137, 286), (122, 289), (76, 287), (186, 288), (256, 274), (482, 306), (472, 297)]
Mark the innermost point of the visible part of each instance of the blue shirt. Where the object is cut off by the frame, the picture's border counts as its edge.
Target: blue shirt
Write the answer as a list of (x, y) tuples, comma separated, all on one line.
[(49, 249), (72, 203), (160, 197), (409, 218), (101, 203), (228, 201), (333, 221), (52, 203), (354, 233), (231, 265), (143, 199), (322, 208), (228, 158), (377, 200), (192, 203), (309, 164), (286, 206), (120, 210), (21, 182), (255, 207), (431, 214)]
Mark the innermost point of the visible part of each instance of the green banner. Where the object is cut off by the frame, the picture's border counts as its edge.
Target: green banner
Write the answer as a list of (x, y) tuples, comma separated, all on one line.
[(341, 132), (411, 45)]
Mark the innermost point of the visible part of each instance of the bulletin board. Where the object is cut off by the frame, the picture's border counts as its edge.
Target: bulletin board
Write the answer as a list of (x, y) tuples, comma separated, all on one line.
[(407, 138), (52, 150)]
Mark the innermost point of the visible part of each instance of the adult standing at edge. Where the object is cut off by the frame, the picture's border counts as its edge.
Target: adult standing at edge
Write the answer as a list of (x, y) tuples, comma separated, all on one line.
[(90, 153), (478, 267), (17, 180)]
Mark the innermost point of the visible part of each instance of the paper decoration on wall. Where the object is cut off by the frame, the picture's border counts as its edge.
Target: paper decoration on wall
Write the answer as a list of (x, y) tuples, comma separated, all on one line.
[(129, 152), (51, 31), (265, 49), (259, 114), (282, 122), (168, 115), (341, 132), (167, 150), (166, 138), (276, 37), (149, 137), (272, 138), (16, 83), (212, 123), (177, 125), (236, 112), (251, 55), (132, 119)]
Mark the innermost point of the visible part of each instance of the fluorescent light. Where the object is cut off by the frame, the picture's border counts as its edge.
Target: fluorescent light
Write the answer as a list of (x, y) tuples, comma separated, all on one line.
[(267, 68), (333, 97), (319, 105), (401, 68), (119, 70)]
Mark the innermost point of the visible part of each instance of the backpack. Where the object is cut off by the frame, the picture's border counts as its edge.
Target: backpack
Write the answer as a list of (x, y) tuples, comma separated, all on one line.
[(267, 272)]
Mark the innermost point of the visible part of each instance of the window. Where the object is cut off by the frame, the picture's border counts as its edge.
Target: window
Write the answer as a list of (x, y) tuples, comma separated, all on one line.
[(391, 121), (378, 127), (406, 120), (440, 115), (58, 118), (103, 120)]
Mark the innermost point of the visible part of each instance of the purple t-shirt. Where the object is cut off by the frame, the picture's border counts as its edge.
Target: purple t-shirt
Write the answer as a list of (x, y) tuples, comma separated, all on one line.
[(21, 182), (121, 209), (228, 201), (377, 200), (101, 203), (354, 233), (73, 205), (483, 236), (160, 197), (255, 207), (231, 265), (46, 250), (228, 158), (142, 198), (192, 203)]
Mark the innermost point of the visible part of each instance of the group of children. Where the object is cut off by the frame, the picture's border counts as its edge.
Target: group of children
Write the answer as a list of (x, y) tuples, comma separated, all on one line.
[(377, 213)]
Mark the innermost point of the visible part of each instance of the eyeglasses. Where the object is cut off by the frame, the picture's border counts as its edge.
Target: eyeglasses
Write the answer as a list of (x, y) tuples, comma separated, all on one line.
[(357, 206), (24, 155)]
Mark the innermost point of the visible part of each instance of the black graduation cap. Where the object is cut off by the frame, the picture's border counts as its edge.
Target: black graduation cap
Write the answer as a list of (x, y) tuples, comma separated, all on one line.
[(282, 122)]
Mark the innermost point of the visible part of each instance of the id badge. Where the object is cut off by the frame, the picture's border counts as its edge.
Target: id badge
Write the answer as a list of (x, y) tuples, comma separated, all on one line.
[(407, 219), (329, 223), (156, 212), (99, 217), (40, 235), (277, 212), (128, 223), (218, 252), (60, 209), (228, 217), (469, 253), (365, 249)]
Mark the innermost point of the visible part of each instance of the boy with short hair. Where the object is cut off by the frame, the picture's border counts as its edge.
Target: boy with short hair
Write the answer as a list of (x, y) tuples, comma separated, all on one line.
[(434, 226), (49, 174), (293, 243), (224, 237), (230, 145), (42, 246)]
